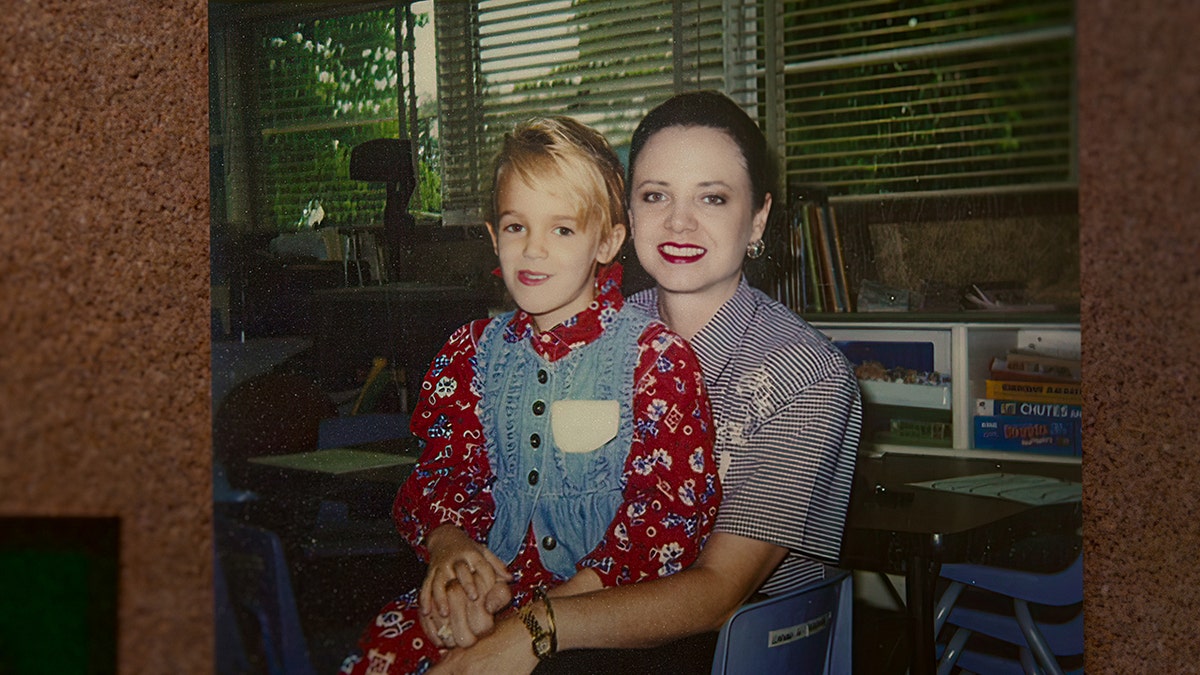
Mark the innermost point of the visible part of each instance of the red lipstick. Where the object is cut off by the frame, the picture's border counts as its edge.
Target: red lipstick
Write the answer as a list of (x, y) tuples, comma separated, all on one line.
[(681, 254)]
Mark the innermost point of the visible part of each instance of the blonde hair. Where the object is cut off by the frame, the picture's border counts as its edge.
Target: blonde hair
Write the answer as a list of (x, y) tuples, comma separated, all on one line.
[(567, 158)]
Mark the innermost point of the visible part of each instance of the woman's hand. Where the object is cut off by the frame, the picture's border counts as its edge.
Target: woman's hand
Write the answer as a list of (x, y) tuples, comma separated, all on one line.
[(506, 650), (470, 622)]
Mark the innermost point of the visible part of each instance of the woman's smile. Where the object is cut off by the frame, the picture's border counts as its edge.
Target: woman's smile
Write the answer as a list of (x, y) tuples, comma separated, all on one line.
[(681, 254)]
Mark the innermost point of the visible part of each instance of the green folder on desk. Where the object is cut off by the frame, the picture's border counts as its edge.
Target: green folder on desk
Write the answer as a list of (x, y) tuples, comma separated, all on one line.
[(1027, 489), (336, 461)]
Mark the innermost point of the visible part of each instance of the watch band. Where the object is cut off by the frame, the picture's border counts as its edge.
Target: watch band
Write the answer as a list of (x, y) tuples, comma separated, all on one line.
[(553, 630), (544, 642)]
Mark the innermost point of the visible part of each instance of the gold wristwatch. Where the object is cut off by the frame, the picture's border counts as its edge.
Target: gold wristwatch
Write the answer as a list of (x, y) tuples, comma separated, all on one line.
[(541, 646), (544, 641)]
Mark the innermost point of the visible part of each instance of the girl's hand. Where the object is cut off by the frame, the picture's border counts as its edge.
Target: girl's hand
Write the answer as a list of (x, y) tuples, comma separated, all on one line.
[(468, 621), (453, 556)]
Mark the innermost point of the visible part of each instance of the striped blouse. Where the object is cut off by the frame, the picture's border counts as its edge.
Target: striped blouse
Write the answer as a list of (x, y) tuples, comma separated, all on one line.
[(788, 415)]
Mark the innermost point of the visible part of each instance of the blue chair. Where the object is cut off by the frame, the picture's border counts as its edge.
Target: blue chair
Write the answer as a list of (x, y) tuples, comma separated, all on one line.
[(348, 430), (252, 582), (806, 631), (1040, 643), (231, 648), (335, 533)]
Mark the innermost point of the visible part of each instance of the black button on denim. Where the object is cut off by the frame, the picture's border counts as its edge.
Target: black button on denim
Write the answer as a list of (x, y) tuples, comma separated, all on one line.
[(549, 542), (535, 441), (542, 376), (533, 477), (539, 407)]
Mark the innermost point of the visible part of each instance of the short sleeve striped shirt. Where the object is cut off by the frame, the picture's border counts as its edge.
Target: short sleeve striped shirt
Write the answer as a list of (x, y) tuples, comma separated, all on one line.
[(788, 415)]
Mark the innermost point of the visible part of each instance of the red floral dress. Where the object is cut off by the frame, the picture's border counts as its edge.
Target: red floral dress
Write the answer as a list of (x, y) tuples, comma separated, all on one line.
[(671, 490)]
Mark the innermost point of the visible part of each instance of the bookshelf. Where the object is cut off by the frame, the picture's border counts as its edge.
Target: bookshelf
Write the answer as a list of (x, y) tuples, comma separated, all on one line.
[(960, 346)]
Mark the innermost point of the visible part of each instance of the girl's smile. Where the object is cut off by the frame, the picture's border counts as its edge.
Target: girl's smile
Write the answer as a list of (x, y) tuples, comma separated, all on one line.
[(529, 278)]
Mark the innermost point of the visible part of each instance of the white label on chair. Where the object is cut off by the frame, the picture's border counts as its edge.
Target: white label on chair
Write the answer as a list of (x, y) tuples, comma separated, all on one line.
[(782, 636), (583, 426)]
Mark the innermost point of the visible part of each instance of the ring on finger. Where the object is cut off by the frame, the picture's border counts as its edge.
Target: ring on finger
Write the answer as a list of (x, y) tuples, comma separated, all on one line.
[(446, 634)]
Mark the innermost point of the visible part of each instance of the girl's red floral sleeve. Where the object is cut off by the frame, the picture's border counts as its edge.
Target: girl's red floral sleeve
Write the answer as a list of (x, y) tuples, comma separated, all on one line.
[(451, 483), (672, 489)]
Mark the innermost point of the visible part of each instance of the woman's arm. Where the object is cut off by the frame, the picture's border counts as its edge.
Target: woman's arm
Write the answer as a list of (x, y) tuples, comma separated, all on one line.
[(789, 482), (729, 570)]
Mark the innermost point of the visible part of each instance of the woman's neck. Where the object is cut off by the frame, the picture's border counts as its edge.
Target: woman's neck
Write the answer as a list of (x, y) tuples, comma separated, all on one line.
[(688, 313)]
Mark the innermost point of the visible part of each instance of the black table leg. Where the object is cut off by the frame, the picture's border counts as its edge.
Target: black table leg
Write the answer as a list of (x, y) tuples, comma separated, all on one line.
[(918, 593)]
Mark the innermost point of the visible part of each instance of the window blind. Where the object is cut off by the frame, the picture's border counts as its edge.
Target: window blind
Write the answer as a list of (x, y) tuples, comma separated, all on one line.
[(604, 62), (323, 84), (882, 97)]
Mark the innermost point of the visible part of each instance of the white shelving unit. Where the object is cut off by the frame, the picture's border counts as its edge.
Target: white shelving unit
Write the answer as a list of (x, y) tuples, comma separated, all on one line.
[(962, 349)]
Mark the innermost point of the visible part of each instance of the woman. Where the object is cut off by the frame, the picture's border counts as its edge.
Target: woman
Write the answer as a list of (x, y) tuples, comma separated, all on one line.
[(785, 401)]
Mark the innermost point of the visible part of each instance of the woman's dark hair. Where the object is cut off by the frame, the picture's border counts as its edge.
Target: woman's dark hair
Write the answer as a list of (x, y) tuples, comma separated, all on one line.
[(714, 110)]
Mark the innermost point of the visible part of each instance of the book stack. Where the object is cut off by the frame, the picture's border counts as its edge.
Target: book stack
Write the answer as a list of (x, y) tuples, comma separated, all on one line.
[(1033, 403), (821, 265)]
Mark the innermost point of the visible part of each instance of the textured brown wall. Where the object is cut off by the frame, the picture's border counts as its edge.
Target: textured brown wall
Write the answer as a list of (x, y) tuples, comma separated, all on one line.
[(1139, 134), (104, 310), (104, 317)]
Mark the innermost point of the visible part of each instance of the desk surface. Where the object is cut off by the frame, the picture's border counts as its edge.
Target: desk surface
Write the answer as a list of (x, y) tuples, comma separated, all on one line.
[(337, 461), (387, 461), (895, 526), (889, 515)]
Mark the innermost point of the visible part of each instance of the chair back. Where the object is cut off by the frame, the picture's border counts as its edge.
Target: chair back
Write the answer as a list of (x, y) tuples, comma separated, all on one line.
[(1060, 588), (805, 631), (231, 648), (1040, 642), (257, 589), (348, 430)]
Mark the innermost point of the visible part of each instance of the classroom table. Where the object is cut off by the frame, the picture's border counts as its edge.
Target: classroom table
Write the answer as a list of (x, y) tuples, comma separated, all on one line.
[(897, 527), (322, 502)]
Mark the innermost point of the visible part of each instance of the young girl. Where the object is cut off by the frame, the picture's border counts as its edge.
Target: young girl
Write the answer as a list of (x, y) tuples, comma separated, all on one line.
[(568, 444)]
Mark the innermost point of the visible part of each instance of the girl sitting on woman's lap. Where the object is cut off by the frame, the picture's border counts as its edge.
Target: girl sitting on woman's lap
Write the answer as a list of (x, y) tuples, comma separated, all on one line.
[(568, 444)]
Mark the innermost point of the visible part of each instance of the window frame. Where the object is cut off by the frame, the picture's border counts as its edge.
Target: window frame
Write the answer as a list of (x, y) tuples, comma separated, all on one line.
[(237, 131)]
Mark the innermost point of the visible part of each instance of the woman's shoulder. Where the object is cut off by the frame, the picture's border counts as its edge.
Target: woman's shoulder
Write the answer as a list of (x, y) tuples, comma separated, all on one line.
[(790, 346)]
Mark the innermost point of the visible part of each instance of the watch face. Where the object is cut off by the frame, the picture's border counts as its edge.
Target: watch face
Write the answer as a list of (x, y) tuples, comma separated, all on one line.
[(541, 646)]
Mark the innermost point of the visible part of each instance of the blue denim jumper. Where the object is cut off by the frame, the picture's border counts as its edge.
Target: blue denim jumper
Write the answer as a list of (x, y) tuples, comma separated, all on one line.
[(570, 498)]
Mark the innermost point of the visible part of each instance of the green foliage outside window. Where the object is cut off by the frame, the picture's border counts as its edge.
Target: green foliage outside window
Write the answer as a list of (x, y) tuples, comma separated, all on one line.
[(429, 168), (326, 85), (953, 103)]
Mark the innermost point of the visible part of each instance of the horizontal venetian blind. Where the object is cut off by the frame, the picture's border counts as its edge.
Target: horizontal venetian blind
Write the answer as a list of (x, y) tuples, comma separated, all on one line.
[(604, 62), (323, 84), (886, 97)]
